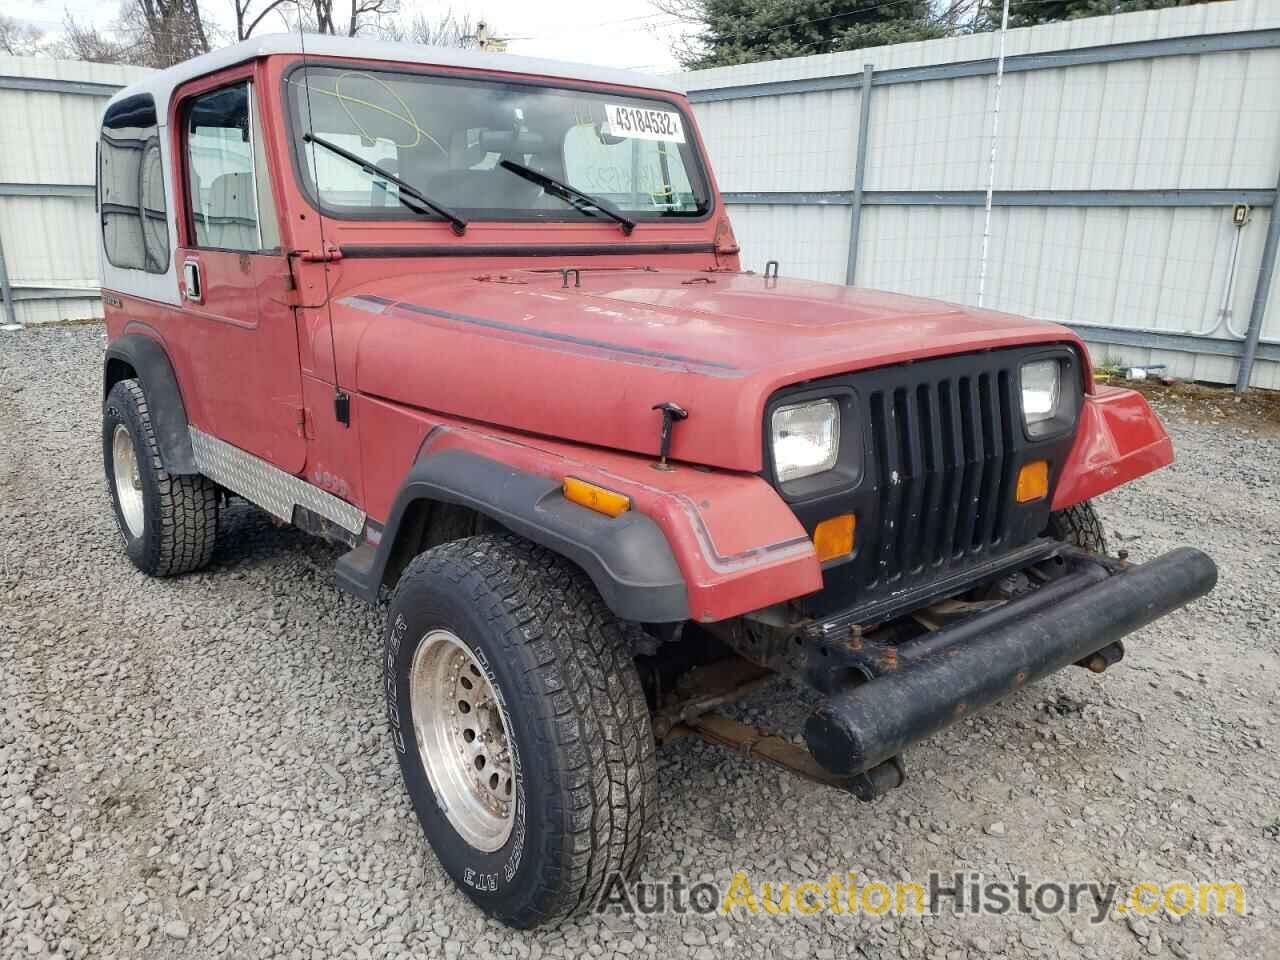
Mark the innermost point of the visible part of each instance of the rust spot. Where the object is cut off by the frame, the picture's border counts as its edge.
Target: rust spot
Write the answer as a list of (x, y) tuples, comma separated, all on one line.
[(1021, 678), (889, 660), (961, 708)]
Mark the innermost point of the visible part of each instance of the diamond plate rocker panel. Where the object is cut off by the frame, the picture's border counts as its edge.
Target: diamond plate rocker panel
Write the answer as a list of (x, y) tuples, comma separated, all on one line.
[(268, 486)]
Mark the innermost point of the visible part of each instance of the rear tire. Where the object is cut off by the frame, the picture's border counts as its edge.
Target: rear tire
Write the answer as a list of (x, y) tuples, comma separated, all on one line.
[(169, 523), (1079, 525), (552, 704)]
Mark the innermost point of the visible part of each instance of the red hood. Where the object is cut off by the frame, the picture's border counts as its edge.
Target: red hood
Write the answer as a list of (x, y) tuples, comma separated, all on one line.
[(587, 363)]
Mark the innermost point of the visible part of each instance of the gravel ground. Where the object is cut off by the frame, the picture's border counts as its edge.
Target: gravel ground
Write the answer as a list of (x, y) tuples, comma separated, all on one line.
[(199, 767)]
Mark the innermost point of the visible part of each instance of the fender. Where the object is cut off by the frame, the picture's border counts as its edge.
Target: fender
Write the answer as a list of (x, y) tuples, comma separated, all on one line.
[(737, 545), (628, 558), (1118, 438), (148, 360)]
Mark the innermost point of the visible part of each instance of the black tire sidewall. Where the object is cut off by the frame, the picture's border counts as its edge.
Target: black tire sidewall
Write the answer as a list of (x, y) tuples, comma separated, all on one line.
[(121, 408), (509, 883)]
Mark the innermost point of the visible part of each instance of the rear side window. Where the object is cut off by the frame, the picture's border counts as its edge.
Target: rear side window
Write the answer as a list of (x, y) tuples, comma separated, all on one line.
[(231, 204), (135, 221)]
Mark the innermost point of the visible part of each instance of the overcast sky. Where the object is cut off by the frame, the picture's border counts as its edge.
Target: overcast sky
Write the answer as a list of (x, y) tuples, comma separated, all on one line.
[(620, 33)]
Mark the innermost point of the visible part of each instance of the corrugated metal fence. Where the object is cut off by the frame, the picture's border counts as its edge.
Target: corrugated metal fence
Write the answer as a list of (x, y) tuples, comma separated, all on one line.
[(1125, 145), (48, 228)]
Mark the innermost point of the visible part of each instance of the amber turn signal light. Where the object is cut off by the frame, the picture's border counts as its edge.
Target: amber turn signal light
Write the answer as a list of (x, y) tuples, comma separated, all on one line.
[(833, 537), (1033, 481), (595, 497)]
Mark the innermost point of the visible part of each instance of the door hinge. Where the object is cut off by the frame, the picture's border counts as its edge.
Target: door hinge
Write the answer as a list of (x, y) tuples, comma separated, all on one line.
[(306, 423), (342, 408), (328, 253)]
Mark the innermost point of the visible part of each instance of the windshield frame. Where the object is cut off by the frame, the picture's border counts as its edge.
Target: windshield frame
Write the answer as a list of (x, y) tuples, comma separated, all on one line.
[(699, 178)]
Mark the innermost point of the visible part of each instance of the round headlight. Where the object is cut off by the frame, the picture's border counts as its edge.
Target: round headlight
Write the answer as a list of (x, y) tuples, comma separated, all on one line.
[(806, 439)]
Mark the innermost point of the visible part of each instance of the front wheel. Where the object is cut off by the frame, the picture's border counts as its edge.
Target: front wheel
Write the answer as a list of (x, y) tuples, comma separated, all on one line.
[(169, 523), (520, 726)]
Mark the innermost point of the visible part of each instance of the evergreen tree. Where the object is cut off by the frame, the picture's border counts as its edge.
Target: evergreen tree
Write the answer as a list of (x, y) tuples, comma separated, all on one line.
[(744, 31), (1029, 13)]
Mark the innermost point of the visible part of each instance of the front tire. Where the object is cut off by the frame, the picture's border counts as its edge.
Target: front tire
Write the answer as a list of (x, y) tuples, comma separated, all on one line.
[(1079, 525), (520, 726), (168, 523)]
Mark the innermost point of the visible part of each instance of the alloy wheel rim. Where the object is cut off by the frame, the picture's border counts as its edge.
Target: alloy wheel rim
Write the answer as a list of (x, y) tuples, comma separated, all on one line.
[(127, 479), (464, 740)]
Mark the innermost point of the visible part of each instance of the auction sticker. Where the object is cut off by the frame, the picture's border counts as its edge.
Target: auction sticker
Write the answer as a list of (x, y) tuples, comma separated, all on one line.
[(642, 123)]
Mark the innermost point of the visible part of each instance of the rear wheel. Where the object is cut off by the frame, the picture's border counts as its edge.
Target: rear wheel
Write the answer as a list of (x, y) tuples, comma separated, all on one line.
[(168, 523), (520, 726), (1079, 525)]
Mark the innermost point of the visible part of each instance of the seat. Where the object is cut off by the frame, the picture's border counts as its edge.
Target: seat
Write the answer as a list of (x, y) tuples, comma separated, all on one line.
[(231, 214), (495, 188)]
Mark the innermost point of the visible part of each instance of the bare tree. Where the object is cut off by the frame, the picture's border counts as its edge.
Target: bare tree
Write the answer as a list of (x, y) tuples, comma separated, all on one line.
[(364, 11), (366, 15), (149, 33), (247, 20), (94, 46), (20, 39), (324, 16), (447, 30)]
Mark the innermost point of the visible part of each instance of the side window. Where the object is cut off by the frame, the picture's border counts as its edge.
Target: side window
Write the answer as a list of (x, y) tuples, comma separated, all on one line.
[(135, 221), (229, 191)]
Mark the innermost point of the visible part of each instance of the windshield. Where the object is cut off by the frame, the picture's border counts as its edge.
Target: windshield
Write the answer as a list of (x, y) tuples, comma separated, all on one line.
[(448, 138)]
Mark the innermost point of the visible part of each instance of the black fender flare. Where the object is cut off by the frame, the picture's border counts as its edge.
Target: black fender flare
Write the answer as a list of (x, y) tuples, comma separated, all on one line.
[(147, 358), (628, 557)]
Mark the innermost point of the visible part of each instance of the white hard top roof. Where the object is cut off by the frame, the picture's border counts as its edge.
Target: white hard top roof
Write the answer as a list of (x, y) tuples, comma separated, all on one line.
[(162, 83)]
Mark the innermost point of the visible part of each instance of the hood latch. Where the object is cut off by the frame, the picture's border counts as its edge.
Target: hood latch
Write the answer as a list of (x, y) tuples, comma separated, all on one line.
[(671, 413)]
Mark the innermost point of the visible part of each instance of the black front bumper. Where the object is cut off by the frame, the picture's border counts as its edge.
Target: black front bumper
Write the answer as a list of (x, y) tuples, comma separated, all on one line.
[(944, 676)]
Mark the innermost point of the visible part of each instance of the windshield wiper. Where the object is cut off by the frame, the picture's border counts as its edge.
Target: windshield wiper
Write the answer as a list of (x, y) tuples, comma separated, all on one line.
[(458, 225), (570, 194)]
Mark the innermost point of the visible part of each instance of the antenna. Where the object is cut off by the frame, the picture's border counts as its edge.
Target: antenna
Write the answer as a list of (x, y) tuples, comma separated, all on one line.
[(341, 401)]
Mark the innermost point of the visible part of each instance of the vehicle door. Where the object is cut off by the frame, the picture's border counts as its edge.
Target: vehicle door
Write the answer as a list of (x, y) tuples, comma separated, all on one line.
[(240, 332)]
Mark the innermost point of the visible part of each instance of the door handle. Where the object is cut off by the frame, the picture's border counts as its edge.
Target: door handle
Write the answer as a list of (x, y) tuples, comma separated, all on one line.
[(192, 281)]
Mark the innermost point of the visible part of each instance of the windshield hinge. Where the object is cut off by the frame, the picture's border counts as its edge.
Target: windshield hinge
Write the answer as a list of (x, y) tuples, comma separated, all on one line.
[(329, 253)]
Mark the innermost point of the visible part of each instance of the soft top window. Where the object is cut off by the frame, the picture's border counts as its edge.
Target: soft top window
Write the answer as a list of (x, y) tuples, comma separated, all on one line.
[(138, 111), (135, 220), (450, 139)]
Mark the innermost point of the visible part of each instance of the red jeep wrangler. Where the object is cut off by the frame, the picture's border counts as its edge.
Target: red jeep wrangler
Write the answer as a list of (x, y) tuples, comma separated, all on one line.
[(481, 319)]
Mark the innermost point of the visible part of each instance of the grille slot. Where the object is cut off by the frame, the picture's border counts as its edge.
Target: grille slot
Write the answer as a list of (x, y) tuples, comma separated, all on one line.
[(941, 451)]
